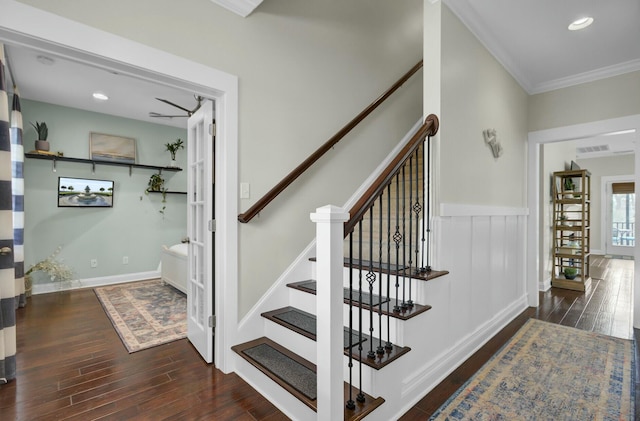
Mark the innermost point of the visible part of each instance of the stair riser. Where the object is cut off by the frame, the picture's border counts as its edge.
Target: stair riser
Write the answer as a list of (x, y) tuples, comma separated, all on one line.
[(293, 408)]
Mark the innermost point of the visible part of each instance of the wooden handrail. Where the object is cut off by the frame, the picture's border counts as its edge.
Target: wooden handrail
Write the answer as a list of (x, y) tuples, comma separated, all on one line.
[(300, 169), (357, 211)]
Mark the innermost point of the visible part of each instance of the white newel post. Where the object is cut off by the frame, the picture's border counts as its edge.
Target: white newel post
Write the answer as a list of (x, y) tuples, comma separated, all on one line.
[(329, 299)]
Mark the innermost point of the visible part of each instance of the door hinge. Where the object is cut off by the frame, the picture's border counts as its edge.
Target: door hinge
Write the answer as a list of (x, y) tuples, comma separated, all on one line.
[(212, 321), (212, 129), (212, 225)]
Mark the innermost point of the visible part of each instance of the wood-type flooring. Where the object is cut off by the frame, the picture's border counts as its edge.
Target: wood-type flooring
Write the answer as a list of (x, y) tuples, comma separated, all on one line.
[(73, 366)]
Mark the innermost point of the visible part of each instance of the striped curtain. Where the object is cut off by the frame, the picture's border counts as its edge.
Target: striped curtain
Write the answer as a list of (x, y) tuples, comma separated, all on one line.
[(7, 267), (17, 187)]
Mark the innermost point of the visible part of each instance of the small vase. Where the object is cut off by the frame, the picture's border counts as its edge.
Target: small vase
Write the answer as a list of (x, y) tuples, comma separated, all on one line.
[(173, 164), (42, 145)]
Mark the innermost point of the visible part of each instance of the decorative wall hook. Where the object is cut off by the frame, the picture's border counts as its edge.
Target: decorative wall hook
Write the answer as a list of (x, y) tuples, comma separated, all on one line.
[(490, 139)]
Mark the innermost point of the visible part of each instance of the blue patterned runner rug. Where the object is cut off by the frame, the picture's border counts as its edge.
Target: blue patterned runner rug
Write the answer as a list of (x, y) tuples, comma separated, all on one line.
[(145, 313), (550, 372)]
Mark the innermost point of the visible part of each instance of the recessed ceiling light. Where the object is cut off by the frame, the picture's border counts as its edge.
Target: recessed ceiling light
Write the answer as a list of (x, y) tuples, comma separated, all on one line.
[(580, 23), (100, 96)]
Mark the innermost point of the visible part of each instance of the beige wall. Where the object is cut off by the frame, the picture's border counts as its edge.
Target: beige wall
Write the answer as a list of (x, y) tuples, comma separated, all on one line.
[(613, 97), (305, 68), (477, 94), (602, 167), (553, 157)]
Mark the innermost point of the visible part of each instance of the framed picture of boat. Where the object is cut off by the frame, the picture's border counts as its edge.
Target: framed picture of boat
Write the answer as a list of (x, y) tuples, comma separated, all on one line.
[(111, 148)]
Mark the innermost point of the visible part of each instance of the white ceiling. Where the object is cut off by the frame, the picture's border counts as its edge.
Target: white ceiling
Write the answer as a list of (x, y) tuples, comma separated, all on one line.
[(531, 40), (71, 84), (528, 37)]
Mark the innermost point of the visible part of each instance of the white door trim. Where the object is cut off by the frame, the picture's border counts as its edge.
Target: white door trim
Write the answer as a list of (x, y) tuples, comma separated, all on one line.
[(574, 132), (37, 29)]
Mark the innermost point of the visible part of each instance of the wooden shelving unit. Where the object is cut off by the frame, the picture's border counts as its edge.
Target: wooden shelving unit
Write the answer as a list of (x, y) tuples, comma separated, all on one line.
[(571, 229)]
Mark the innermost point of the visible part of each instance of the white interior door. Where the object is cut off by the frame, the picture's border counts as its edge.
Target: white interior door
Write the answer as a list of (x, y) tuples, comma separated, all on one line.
[(619, 225), (200, 230)]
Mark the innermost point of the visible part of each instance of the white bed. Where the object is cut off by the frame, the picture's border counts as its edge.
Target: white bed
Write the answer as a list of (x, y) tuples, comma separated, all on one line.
[(174, 266)]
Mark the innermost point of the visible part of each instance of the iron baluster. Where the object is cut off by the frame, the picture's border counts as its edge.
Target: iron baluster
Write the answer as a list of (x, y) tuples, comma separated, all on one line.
[(360, 397), (404, 240), (397, 237), (417, 207), (371, 278), (410, 269), (427, 217), (380, 349), (388, 344)]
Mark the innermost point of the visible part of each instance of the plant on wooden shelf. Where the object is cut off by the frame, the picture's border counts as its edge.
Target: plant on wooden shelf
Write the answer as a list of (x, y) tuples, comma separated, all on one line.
[(173, 148), (568, 184), (43, 133), (570, 272)]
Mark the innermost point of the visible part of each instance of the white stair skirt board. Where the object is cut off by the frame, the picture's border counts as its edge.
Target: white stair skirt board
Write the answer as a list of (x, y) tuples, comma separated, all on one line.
[(93, 282)]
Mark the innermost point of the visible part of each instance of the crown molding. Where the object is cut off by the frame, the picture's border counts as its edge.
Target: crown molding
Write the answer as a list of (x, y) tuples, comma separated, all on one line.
[(240, 7), (590, 76)]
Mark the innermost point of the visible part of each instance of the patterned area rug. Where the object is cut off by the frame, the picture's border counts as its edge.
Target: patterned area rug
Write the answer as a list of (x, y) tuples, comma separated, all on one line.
[(145, 313), (550, 372)]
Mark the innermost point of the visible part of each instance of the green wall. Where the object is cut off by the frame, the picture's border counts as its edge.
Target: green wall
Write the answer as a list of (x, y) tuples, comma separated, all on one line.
[(134, 227)]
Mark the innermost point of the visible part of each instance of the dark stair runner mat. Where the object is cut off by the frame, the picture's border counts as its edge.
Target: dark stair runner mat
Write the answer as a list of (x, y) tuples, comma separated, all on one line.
[(288, 370), (307, 322), (311, 286), (361, 410)]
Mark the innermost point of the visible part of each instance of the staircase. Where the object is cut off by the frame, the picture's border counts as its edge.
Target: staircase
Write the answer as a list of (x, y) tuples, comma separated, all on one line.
[(335, 330), (286, 352)]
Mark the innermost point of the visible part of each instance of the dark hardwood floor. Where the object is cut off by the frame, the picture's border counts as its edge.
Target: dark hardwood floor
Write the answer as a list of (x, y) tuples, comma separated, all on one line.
[(72, 365)]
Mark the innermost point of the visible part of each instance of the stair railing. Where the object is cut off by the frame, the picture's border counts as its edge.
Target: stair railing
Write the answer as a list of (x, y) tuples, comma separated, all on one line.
[(386, 248), (257, 207)]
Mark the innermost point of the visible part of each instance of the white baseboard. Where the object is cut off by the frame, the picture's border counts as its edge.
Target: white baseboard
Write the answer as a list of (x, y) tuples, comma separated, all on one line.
[(93, 282), (545, 284), (426, 378)]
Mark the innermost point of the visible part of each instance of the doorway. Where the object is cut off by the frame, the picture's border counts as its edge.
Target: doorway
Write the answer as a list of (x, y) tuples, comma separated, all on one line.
[(579, 131), (19, 25)]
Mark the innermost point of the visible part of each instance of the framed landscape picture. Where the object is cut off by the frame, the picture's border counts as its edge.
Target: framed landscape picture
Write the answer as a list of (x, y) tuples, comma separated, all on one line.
[(106, 147)]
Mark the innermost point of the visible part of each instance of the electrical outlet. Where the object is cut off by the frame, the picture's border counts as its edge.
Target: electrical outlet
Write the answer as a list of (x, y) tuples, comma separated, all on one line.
[(125, 260), (94, 263)]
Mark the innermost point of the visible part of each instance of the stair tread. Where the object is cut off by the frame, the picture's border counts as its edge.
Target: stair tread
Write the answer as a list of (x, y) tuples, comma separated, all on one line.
[(393, 269), (404, 313), (280, 371), (305, 324), (381, 359)]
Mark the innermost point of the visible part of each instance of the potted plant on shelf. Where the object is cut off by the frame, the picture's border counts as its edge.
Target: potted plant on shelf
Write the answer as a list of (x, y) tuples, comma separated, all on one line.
[(570, 272), (156, 183), (43, 133), (173, 148)]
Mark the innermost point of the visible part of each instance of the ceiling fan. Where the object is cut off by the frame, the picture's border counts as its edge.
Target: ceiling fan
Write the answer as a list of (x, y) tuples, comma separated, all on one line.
[(188, 112)]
